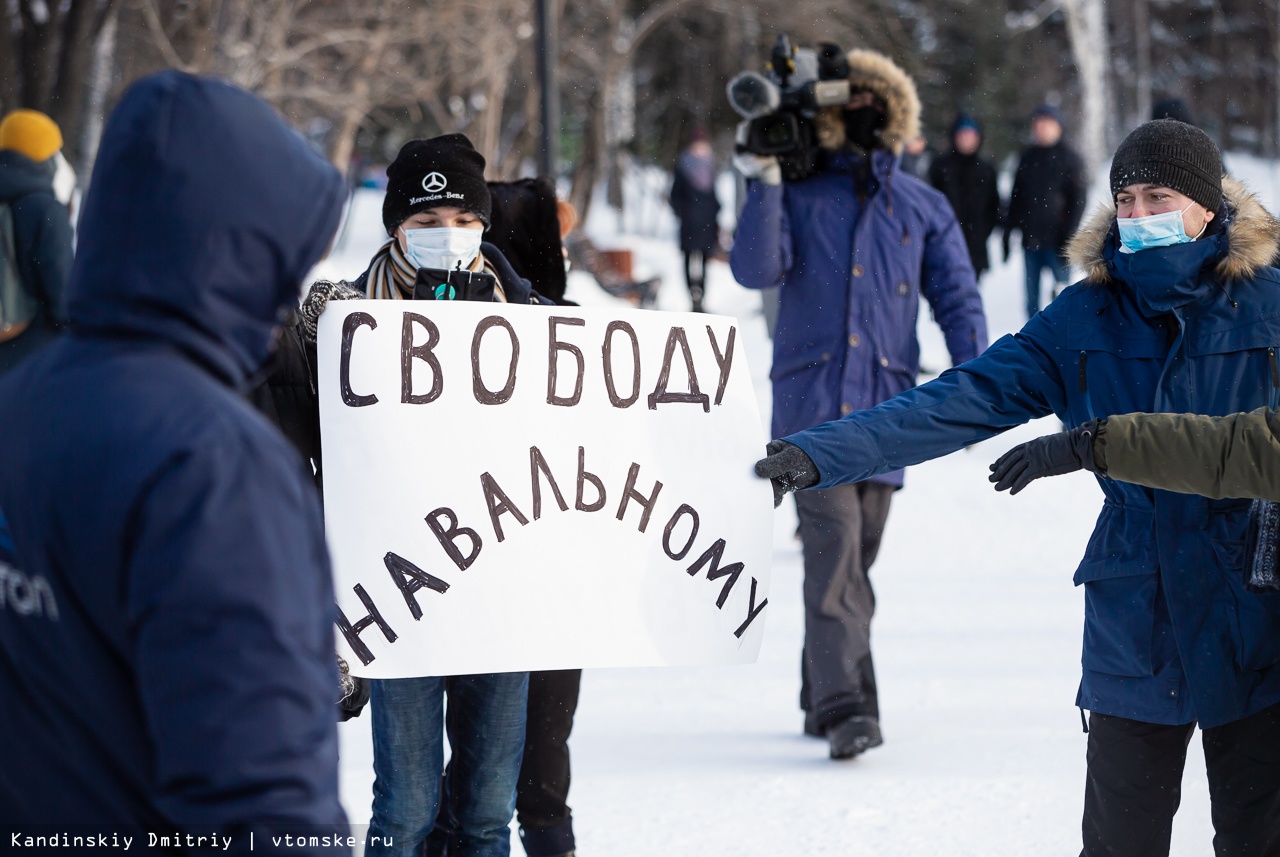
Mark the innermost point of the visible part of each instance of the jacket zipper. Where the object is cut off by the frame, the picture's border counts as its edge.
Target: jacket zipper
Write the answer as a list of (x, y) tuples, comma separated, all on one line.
[(1084, 378), (1275, 377)]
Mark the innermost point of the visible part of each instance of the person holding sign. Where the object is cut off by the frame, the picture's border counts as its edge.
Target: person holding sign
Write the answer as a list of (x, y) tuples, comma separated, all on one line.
[(436, 209), (1176, 314)]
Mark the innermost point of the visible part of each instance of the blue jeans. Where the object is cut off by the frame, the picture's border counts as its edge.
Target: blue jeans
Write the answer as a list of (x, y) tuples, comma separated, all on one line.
[(1036, 261), (486, 735)]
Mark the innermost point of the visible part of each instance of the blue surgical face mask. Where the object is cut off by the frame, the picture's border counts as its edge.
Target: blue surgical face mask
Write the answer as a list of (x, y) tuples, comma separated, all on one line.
[(1154, 230), (443, 248)]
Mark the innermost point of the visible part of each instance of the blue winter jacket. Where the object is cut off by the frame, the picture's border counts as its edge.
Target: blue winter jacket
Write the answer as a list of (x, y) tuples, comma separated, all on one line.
[(852, 268), (166, 647), (1171, 634), (42, 244)]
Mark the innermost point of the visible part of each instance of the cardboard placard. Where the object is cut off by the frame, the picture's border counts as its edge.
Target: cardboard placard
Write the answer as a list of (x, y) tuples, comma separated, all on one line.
[(517, 488)]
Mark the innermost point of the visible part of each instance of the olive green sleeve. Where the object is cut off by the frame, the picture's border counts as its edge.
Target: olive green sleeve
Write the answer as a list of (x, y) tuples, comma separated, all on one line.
[(1232, 456)]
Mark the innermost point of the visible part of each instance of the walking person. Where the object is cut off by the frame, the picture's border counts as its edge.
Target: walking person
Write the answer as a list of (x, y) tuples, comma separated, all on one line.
[(853, 248), (968, 181), (693, 199), (1046, 203), (1175, 314), (35, 236)]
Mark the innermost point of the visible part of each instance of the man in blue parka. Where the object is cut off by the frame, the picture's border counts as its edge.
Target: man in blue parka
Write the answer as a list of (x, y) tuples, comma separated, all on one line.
[(1178, 312), (854, 247), (166, 644)]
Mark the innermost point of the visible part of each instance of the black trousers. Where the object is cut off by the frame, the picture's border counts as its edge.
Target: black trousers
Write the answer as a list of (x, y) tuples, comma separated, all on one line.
[(1134, 783), (546, 828)]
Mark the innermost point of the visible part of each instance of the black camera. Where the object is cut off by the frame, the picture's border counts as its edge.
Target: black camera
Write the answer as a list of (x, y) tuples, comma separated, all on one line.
[(459, 285), (780, 107)]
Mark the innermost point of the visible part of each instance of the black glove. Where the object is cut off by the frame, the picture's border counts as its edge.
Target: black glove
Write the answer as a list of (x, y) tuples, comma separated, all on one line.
[(788, 467), (1051, 455)]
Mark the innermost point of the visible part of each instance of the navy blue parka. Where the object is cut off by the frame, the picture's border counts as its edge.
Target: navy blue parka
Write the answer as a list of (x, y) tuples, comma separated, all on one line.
[(177, 671), (854, 247), (1171, 634)]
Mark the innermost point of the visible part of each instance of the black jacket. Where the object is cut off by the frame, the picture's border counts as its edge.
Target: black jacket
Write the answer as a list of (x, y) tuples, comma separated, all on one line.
[(1048, 196), (969, 184), (42, 241)]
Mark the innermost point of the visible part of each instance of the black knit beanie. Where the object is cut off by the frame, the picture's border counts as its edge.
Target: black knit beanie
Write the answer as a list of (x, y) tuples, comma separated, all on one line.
[(1172, 154), (443, 171)]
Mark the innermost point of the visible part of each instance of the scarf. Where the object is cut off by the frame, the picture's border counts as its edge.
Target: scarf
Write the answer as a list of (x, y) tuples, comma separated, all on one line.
[(391, 276)]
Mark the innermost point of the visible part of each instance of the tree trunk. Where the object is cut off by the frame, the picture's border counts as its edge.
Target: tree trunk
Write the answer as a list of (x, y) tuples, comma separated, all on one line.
[(1142, 57), (1087, 30)]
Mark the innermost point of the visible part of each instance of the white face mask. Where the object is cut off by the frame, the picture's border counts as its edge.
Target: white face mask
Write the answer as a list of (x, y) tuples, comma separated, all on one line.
[(442, 248)]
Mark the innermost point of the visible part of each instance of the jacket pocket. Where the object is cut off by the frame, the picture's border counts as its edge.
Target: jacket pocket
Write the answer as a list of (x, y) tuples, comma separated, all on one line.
[(1253, 617), (1118, 573)]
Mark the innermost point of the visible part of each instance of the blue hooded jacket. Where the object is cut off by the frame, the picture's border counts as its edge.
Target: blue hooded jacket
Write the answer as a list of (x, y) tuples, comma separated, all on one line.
[(168, 664), (852, 266), (1171, 633)]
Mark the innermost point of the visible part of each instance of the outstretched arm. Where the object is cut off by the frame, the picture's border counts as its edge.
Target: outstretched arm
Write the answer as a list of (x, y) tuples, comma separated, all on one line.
[(1215, 457), (1010, 383)]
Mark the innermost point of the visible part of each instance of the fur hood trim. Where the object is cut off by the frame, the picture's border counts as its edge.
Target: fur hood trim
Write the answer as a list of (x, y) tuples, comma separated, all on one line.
[(1253, 237), (878, 74)]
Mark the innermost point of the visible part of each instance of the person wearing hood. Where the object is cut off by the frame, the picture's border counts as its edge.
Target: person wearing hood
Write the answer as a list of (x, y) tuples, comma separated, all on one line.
[(968, 181), (853, 247), (31, 308), (1177, 313), (169, 665), (1046, 203)]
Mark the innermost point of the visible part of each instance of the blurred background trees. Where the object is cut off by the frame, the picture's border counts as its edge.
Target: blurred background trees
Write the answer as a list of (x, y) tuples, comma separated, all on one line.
[(358, 77)]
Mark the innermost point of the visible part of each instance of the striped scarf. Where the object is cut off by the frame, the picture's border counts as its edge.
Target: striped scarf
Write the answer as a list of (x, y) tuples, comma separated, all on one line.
[(391, 275)]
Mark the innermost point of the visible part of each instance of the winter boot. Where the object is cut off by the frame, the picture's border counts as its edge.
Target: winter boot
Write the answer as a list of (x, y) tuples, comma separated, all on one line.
[(853, 735)]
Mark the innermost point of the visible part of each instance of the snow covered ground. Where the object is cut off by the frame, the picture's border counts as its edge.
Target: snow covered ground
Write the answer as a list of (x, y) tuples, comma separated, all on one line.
[(977, 644)]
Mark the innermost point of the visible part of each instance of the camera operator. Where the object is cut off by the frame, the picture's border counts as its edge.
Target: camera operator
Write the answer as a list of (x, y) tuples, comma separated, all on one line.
[(853, 245)]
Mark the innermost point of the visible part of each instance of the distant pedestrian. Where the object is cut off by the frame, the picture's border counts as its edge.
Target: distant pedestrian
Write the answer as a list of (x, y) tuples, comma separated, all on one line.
[(693, 199), (40, 229), (1047, 202), (917, 157), (968, 181)]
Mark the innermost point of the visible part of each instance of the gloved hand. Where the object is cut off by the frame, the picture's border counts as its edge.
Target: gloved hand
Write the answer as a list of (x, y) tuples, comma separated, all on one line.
[(788, 467), (1051, 455), (763, 168), (1004, 243)]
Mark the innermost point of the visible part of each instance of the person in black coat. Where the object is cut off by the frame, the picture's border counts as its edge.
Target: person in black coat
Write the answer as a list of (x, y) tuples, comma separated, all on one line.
[(969, 183), (29, 140), (693, 199), (1047, 202)]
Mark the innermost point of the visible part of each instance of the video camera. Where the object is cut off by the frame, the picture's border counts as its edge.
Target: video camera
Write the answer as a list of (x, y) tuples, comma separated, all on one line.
[(780, 108)]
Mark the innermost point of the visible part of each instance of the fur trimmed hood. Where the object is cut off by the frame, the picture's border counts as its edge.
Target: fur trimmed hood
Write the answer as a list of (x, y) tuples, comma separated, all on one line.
[(1253, 237), (879, 75)]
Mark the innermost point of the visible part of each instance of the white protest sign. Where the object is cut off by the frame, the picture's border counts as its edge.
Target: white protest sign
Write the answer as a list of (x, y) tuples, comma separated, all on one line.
[(519, 487)]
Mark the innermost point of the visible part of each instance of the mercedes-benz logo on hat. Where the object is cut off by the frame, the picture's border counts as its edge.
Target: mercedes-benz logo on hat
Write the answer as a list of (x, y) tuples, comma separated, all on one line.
[(434, 183)]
